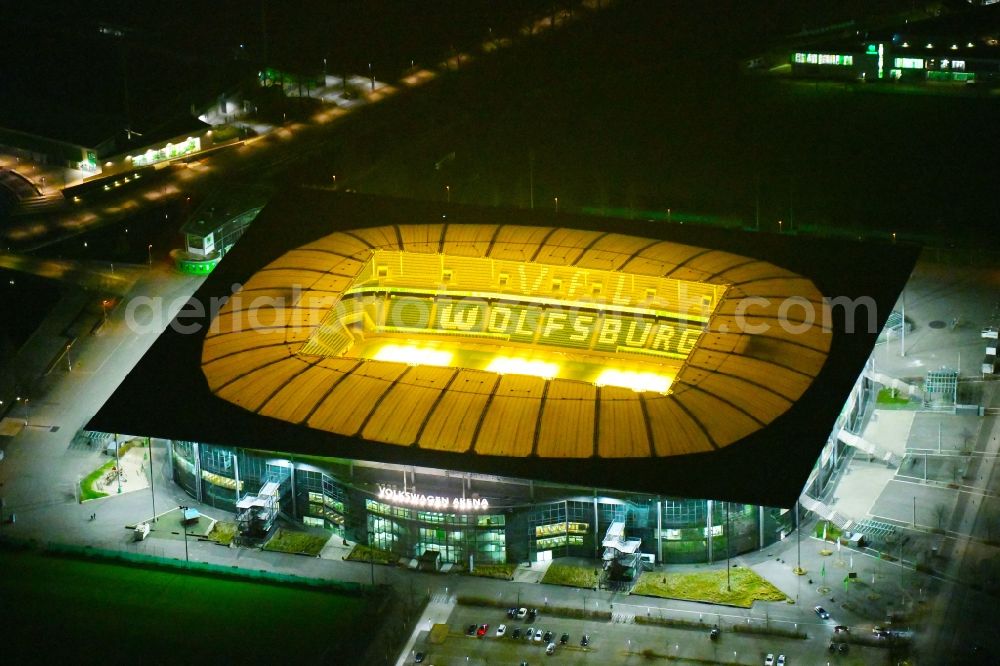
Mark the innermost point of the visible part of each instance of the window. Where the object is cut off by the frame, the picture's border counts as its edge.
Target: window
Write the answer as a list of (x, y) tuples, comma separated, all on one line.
[(823, 59), (908, 63)]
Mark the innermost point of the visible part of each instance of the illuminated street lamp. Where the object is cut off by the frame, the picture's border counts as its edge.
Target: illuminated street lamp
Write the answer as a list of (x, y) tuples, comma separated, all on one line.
[(27, 409), (104, 307), (149, 252), (557, 203), (447, 189)]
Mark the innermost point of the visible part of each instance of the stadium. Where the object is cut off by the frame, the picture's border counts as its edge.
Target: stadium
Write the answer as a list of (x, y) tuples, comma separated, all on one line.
[(504, 386)]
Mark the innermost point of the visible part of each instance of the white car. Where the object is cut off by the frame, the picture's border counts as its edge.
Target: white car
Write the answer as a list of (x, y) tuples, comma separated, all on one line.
[(501, 630), (538, 636), (550, 649), (522, 613), (769, 660), (781, 660)]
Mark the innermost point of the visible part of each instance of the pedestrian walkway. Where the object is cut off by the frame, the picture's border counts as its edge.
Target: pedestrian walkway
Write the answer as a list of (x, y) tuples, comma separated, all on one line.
[(437, 611)]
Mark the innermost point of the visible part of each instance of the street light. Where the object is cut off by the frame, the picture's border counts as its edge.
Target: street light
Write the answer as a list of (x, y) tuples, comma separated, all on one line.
[(557, 203), (371, 552), (104, 307), (25, 401), (447, 189), (184, 530), (149, 252)]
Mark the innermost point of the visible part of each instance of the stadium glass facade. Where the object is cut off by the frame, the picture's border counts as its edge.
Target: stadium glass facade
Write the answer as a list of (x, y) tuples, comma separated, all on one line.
[(472, 519)]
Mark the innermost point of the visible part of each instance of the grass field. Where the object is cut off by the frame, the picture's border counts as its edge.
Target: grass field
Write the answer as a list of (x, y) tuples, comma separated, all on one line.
[(94, 612), (710, 586)]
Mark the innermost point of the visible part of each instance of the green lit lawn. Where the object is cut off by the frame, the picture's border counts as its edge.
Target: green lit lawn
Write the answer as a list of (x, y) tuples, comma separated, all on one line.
[(890, 397), (362, 553), (89, 612), (286, 541), (564, 574), (87, 491), (223, 532), (710, 587)]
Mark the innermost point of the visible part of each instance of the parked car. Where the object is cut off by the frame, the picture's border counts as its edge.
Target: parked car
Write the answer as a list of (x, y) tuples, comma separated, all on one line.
[(522, 613), (530, 633), (511, 613), (418, 658), (517, 632), (585, 641), (550, 648), (880, 632), (714, 633), (538, 636), (471, 631), (532, 614), (781, 660), (841, 628), (501, 630), (564, 639), (483, 628), (547, 637), (822, 612), (769, 660)]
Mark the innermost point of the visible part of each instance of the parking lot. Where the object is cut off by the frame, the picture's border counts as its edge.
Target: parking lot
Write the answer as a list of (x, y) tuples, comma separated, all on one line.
[(617, 643)]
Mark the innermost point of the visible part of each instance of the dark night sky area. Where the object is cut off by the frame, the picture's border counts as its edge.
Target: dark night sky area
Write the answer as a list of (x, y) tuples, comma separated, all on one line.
[(643, 106)]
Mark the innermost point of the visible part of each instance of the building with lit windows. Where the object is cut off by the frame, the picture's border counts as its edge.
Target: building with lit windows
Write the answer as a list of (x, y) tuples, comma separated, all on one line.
[(501, 385), (956, 48)]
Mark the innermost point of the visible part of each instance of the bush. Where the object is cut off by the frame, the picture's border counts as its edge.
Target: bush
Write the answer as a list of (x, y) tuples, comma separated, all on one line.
[(573, 612), (501, 571), (770, 630)]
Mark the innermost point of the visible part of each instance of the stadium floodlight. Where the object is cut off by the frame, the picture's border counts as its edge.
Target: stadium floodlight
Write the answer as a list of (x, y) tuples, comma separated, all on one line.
[(637, 381), (413, 355), (506, 365)]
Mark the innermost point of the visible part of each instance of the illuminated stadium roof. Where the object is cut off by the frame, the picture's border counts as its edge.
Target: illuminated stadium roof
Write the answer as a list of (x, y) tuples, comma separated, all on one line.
[(531, 300), (558, 347)]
